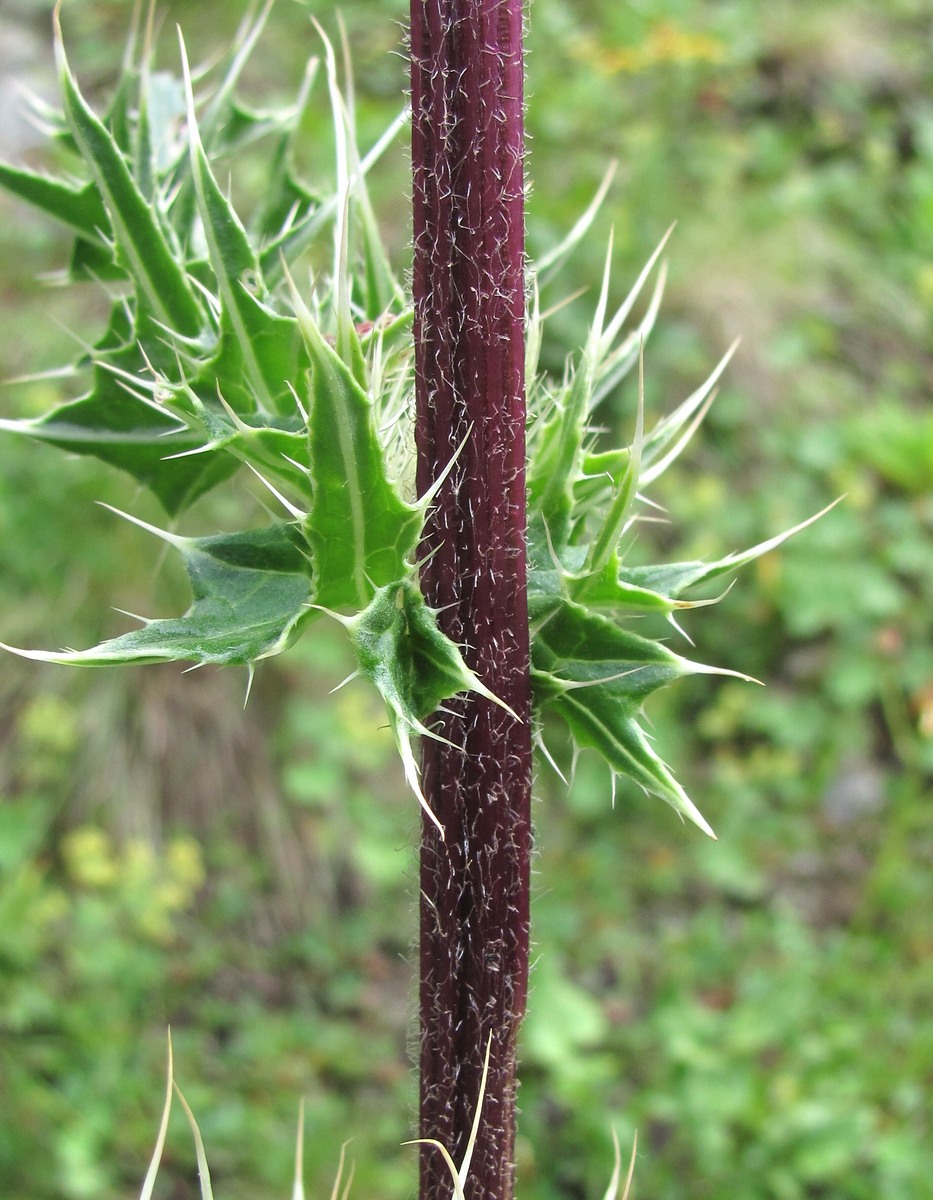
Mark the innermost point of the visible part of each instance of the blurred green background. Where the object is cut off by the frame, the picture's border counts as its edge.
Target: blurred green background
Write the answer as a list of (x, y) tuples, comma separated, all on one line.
[(759, 1008)]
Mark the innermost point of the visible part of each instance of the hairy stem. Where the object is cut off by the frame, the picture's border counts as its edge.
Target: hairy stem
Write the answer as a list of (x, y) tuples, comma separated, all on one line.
[(467, 152)]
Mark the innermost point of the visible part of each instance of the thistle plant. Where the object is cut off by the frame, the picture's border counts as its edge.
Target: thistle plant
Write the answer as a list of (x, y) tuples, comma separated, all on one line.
[(389, 431)]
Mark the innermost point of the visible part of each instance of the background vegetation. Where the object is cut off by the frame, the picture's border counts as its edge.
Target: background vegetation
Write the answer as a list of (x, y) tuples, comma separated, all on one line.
[(758, 1009)]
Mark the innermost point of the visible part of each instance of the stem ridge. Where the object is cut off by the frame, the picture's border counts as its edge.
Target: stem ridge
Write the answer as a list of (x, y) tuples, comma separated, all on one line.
[(469, 296)]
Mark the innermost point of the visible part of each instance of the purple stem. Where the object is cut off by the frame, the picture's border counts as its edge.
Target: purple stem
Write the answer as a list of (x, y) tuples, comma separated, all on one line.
[(469, 295)]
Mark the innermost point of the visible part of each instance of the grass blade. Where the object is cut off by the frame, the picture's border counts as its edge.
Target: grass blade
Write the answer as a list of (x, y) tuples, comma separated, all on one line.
[(155, 1161), (298, 1187), (204, 1174)]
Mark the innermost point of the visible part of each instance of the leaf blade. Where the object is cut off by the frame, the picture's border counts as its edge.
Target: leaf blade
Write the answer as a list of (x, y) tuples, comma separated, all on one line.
[(154, 267), (597, 676), (251, 598), (360, 531), (79, 208)]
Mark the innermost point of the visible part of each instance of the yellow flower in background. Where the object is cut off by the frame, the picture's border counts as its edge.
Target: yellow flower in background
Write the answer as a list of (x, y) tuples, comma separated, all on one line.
[(139, 862), (144, 885), (89, 857), (186, 863), (49, 724), (666, 43), (170, 896)]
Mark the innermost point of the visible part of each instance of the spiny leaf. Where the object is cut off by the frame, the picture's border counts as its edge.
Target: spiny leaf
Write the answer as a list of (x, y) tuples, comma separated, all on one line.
[(221, 129), (606, 589), (217, 113), (303, 232), (288, 199), (251, 596), (384, 656), (380, 290), (142, 161), (360, 531), (120, 115), (401, 650), (78, 207), (117, 424), (141, 241), (556, 449), (597, 676), (554, 258), (671, 435), (583, 648), (605, 544), (266, 343), (437, 669), (674, 578), (268, 450), (620, 360), (94, 262), (127, 434)]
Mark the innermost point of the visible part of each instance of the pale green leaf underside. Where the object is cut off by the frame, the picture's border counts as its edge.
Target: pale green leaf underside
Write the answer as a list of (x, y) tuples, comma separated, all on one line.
[(129, 434), (597, 675), (415, 667), (251, 595)]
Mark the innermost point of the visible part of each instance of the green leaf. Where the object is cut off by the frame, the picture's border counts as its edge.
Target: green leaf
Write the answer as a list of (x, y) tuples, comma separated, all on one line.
[(556, 452), (287, 200), (126, 433), (402, 651), (93, 262), (216, 122), (120, 424), (599, 471), (551, 580), (303, 230), (80, 208), (672, 434), (282, 453), (158, 153), (610, 589), (556, 449), (551, 261), (141, 242), (671, 579), (360, 531), (251, 596), (380, 290), (604, 547), (224, 124), (438, 670), (265, 342), (597, 676)]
